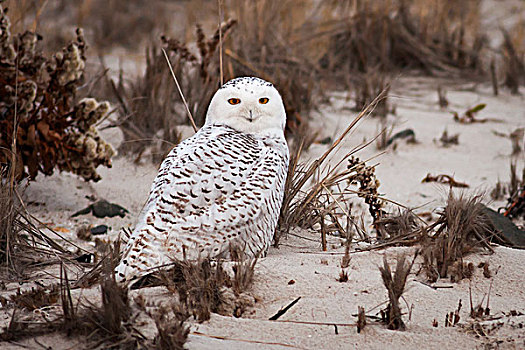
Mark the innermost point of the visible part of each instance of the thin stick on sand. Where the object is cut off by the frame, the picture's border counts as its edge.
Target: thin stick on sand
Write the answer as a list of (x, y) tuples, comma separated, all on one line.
[(180, 91)]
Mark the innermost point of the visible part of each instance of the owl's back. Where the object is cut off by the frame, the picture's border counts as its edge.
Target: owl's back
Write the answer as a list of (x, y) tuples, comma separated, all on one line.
[(217, 188)]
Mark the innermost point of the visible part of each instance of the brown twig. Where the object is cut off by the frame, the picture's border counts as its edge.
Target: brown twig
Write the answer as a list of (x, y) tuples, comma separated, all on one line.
[(284, 310), (180, 91)]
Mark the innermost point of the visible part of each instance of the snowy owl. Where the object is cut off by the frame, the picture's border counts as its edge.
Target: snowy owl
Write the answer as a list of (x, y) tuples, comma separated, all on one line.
[(223, 186)]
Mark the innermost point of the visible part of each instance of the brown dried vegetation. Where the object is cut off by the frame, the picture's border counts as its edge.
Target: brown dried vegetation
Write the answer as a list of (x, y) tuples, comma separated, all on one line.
[(461, 228), (204, 287), (321, 196), (438, 39), (152, 108), (39, 108), (395, 285)]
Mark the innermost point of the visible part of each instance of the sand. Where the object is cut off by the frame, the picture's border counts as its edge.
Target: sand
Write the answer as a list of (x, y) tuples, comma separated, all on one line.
[(480, 160)]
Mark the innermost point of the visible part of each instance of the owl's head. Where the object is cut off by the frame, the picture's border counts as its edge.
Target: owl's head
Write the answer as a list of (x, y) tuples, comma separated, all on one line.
[(248, 104)]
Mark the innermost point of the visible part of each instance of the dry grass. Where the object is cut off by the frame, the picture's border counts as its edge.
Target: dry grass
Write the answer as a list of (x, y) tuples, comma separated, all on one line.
[(395, 285), (172, 331), (151, 107), (316, 195), (404, 228), (513, 52), (200, 288), (436, 37), (461, 228), (204, 287)]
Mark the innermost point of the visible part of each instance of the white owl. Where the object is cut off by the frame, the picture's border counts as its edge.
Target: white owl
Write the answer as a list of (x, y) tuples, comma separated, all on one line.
[(223, 186)]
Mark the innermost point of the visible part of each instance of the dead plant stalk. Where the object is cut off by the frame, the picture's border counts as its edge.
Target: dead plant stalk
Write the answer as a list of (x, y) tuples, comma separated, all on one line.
[(180, 91)]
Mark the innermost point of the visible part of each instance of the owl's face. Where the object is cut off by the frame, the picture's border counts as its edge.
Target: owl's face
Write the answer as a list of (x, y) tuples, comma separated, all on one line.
[(249, 105)]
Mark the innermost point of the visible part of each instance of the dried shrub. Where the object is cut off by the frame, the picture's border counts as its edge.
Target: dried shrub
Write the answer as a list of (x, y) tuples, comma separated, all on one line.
[(395, 285), (38, 104), (513, 52), (172, 332), (317, 196), (151, 107), (461, 228), (516, 193), (200, 286), (442, 38), (404, 227)]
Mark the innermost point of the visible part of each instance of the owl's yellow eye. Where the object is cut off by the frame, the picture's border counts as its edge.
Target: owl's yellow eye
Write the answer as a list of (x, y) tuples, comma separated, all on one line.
[(234, 101), (264, 100)]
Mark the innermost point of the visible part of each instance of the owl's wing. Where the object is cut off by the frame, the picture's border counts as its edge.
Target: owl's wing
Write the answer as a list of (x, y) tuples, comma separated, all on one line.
[(208, 189)]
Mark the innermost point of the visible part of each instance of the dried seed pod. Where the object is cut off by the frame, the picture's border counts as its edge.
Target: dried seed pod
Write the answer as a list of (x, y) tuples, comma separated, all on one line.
[(52, 131)]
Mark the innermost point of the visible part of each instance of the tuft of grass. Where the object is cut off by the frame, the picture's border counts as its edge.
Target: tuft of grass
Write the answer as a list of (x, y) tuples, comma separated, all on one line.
[(172, 331), (443, 38), (199, 285), (243, 271), (320, 195), (404, 227), (461, 228), (395, 285)]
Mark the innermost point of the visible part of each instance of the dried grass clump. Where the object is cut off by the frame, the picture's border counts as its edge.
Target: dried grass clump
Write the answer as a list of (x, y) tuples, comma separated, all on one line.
[(23, 245), (200, 288), (513, 52), (516, 191), (395, 285), (321, 197), (405, 34), (403, 227), (204, 286), (172, 331), (39, 109), (152, 108), (461, 228)]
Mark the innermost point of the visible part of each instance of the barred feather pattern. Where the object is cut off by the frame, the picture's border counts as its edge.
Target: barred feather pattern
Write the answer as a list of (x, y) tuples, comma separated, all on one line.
[(217, 188)]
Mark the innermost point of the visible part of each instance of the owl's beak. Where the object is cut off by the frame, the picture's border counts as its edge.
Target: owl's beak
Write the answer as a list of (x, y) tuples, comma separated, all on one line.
[(251, 116)]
